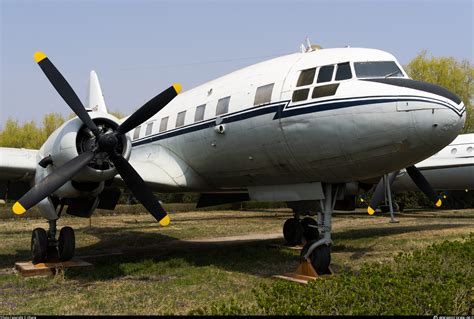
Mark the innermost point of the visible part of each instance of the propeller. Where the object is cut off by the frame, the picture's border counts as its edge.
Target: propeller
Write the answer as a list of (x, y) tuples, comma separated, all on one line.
[(419, 180), (107, 142)]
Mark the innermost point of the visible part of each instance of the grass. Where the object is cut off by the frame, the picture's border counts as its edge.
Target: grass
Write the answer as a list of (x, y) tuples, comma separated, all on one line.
[(434, 280), (159, 274)]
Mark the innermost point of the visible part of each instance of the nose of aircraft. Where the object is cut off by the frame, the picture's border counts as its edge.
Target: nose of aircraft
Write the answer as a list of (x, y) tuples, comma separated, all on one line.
[(438, 115)]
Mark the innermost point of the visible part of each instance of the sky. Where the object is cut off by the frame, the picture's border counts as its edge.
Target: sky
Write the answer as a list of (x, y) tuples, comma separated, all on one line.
[(138, 48)]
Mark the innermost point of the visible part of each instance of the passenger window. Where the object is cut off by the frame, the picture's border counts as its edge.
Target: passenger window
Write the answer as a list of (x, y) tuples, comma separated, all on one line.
[(180, 119), (263, 94), (199, 115), (300, 95), (324, 90), (343, 71), (164, 124), (325, 73), (149, 128), (306, 77), (136, 133), (223, 106)]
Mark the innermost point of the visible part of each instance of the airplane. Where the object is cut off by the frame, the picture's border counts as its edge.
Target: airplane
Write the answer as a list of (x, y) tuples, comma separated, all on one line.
[(450, 169), (296, 128)]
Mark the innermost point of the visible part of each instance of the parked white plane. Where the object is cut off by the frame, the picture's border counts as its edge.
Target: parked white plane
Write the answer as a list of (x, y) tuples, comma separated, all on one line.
[(450, 169), (294, 128)]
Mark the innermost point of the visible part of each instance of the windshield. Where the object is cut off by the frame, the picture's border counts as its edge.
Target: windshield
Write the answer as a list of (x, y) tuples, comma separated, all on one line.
[(377, 69)]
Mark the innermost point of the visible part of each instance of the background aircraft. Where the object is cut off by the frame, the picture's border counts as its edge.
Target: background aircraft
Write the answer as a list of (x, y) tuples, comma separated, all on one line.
[(296, 128)]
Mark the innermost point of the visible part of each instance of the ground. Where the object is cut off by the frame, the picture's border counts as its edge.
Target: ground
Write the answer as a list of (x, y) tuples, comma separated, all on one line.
[(142, 268)]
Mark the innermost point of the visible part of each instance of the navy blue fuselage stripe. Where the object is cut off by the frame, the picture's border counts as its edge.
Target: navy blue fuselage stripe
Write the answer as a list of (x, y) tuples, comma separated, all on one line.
[(282, 110)]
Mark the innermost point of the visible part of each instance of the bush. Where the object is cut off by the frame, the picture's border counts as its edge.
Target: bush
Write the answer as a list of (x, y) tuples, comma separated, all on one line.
[(436, 280)]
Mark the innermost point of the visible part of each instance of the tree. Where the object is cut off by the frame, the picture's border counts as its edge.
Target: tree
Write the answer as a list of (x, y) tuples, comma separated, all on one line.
[(51, 122), (456, 76), (29, 135)]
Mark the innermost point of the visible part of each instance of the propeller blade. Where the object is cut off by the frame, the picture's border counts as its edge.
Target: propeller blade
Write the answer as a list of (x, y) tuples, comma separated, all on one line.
[(423, 185), (52, 182), (138, 187), (379, 193), (150, 108), (65, 90)]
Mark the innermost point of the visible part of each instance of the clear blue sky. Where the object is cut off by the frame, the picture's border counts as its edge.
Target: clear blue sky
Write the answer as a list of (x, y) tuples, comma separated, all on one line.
[(140, 47)]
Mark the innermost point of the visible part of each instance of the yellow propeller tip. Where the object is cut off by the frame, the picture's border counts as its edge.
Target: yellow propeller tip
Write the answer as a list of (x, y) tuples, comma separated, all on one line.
[(370, 210), (165, 221), (177, 87), (439, 203), (39, 56), (18, 209)]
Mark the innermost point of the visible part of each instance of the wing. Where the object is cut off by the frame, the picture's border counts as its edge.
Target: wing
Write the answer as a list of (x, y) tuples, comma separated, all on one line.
[(17, 171), (163, 171)]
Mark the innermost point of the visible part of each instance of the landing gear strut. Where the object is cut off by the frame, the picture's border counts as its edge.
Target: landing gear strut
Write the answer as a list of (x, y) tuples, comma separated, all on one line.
[(45, 247), (317, 253)]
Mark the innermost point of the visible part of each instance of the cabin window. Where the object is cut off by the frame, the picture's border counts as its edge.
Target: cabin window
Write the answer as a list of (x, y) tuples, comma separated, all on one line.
[(164, 124), (136, 133), (223, 106), (149, 128), (300, 95), (263, 94), (377, 69), (199, 115), (343, 71), (324, 90), (306, 77), (325, 73), (180, 119)]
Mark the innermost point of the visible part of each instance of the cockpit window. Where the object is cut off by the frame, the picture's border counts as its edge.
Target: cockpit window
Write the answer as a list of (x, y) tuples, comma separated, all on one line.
[(377, 69), (306, 77), (325, 73), (343, 71)]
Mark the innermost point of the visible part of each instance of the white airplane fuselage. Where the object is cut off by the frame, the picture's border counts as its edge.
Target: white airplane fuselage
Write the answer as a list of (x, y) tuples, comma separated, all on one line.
[(353, 129)]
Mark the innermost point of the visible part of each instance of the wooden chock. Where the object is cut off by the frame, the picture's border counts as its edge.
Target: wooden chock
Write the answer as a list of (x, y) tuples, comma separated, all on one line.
[(305, 268)]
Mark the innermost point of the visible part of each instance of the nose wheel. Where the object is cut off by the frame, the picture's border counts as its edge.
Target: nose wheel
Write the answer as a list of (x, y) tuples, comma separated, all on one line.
[(320, 257)]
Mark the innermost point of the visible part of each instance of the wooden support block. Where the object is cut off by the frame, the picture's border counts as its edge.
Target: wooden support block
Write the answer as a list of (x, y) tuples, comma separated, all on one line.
[(28, 269), (304, 273), (297, 247)]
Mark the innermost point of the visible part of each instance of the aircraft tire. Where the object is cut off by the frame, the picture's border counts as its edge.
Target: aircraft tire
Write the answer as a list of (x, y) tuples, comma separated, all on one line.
[(66, 243), (309, 233), (293, 231), (321, 259), (39, 245)]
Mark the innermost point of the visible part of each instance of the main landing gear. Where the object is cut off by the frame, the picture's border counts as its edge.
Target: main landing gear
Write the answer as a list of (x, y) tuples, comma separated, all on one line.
[(315, 256), (45, 247), (295, 231)]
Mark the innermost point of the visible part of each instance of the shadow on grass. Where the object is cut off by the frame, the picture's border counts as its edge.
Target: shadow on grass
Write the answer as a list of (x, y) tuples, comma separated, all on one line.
[(117, 247), (390, 230), (253, 257)]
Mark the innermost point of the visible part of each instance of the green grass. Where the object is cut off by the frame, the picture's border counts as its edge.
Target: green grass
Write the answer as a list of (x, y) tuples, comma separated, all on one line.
[(159, 274), (435, 280)]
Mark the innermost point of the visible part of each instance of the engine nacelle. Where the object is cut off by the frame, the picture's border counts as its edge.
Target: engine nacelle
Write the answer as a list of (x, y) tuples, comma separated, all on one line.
[(73, 138)]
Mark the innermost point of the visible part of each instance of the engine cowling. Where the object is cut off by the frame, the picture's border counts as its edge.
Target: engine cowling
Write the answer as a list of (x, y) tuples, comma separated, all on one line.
[(74, 138)]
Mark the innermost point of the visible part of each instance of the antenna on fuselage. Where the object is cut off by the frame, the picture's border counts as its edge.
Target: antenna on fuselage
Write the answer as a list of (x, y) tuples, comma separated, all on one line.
[(308, 47)]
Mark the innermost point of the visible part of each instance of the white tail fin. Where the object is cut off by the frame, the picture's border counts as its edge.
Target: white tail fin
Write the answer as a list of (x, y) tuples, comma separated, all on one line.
[(95, 99)]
